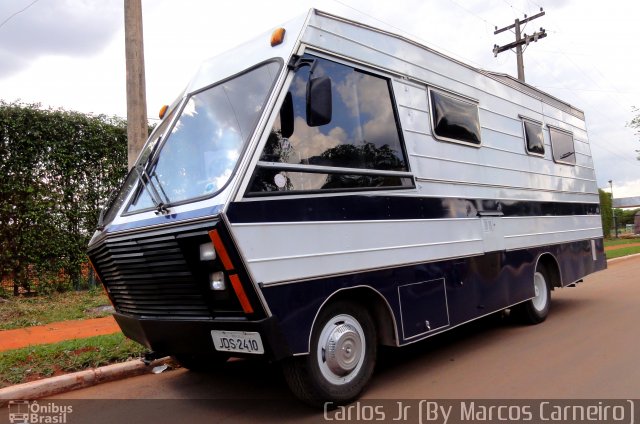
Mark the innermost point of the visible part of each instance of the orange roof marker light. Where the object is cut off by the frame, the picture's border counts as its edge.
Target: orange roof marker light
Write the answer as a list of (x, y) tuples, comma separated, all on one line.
[(277, 36), (163, 111)]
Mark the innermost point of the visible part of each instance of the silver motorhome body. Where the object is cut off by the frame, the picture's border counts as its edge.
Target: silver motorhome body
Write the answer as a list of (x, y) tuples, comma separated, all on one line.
[(499, 170), (310, 197)]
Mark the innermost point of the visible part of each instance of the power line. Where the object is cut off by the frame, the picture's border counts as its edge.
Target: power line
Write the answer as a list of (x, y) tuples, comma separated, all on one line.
[(574, 40), (472, 13), (421, 40), (596, 143), (18, 12), (548, 87), (592, 140)]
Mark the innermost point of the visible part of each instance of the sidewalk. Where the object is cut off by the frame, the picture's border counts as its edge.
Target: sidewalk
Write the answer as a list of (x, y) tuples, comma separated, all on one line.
[(61, 331), (56, 332)]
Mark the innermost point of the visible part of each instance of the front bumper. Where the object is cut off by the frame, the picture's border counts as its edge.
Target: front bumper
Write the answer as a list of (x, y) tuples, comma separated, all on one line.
[(174, 337)]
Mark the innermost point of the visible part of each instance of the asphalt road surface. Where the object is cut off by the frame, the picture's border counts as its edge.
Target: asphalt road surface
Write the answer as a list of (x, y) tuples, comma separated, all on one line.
[(588, 348)]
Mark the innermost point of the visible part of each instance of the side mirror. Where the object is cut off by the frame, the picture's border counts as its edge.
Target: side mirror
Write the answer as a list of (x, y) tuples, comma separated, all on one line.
[(319, 107), (286, 116)]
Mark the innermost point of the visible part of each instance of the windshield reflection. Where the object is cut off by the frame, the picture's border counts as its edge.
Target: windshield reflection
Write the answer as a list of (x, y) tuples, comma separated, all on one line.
[(201, 151)]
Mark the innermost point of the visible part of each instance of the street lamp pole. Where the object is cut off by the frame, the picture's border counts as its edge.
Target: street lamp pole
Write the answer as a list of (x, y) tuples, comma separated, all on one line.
[(613, 213)]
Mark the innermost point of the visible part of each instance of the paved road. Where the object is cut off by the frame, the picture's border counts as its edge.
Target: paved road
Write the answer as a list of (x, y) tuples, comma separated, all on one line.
[(587, 349)]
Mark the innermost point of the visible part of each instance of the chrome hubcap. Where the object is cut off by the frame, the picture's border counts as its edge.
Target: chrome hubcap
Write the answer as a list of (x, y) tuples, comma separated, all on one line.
[(540, 286), (340, 350), (343, 349)]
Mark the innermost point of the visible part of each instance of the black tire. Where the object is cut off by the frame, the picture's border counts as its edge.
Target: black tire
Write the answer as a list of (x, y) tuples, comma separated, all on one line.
[(535, 310), (323, 376), (201, 363)]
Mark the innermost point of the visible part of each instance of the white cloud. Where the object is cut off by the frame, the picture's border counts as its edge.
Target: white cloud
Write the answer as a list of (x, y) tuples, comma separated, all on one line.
[(308, 142), (70, 53), (61, 27)]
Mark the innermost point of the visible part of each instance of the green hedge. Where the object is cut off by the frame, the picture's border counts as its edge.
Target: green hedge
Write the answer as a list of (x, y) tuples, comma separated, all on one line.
[(605, 212), (56, 169)]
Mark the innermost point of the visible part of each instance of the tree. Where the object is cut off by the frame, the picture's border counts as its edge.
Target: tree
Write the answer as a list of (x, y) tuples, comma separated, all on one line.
[(635, 123), (56, 169), (605, 212)]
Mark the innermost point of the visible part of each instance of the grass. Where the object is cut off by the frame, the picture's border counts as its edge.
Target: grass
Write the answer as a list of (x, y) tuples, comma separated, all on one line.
[(20, 312), (35, 362), (621, 248), (618, 242), (41, 361), (623, 251)]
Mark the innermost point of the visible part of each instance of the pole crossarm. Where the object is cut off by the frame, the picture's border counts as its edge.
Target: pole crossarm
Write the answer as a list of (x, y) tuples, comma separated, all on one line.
[(524, 21), (521, 39), (526, 40)]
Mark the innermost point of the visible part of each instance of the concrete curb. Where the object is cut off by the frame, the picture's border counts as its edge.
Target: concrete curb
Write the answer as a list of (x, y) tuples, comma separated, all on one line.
[(77, 380), (624, 257)]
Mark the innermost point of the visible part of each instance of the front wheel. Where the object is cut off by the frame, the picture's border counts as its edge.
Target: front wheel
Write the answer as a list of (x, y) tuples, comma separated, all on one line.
[(536, 309), (341, 359)]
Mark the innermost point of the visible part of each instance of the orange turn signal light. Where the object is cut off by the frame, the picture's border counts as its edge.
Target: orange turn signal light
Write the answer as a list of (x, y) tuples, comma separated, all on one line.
[(277, 36), (221, 250), (240, 293), (163, 111)]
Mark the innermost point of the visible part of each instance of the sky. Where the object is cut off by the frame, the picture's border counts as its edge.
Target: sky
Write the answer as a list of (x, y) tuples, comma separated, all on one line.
[(70, 53)]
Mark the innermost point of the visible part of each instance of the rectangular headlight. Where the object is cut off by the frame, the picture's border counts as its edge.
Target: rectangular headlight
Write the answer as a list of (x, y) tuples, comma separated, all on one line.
[(216, 281), (207, 252)]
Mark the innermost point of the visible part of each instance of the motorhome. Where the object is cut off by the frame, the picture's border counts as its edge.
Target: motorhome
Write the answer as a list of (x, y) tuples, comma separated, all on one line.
[(331, 187)]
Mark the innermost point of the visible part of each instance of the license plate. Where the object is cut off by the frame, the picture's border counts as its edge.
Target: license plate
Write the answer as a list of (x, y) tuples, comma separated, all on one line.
[(237, 341)]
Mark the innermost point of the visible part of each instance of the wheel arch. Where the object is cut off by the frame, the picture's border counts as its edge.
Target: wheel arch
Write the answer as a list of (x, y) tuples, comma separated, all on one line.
[(550, 264), (375, 303)]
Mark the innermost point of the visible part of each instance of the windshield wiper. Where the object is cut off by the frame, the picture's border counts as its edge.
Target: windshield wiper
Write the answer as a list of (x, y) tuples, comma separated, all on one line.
[(152, 190), (566, 155)]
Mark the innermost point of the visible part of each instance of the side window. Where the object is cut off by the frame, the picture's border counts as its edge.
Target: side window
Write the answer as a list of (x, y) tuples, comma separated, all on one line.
[(562, 146), (533, 138), (359, 148), (454, 119)]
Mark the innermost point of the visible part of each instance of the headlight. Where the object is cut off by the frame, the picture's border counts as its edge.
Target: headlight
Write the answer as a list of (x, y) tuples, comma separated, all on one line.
[(216, 281), (207, 252)]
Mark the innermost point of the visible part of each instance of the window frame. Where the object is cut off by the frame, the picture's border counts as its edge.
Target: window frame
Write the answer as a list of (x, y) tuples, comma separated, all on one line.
[(525, 120), (573, 142), (321, 169), (457, 97), (180, 105)]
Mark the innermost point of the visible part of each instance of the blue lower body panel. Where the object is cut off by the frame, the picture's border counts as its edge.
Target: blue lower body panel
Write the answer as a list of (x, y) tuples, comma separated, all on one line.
[(428, 298)]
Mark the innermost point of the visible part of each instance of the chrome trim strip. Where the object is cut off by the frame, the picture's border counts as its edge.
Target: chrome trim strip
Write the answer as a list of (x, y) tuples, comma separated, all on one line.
[(343, 252), (331, 169), (432, 180), (482, 165)]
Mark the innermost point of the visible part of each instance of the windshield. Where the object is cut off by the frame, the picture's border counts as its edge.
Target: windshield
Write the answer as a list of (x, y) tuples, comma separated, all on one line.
[(198, 156)]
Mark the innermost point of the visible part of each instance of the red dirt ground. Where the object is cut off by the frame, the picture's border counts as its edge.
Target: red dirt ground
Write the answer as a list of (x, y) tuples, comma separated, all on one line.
[(56, 332), (621, 246)]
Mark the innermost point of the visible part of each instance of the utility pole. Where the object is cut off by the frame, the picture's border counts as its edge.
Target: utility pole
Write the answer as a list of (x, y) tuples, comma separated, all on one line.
[(137, 125), (613, 211), (520, 40)]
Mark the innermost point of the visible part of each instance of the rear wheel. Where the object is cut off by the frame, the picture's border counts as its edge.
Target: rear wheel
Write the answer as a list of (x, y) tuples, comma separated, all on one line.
[(536, 309), (341, 359)]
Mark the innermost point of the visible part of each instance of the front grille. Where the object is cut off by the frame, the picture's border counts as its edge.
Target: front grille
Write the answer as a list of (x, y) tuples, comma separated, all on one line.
[(149, 277)]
